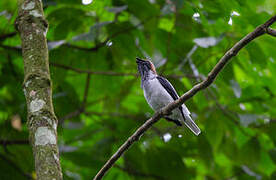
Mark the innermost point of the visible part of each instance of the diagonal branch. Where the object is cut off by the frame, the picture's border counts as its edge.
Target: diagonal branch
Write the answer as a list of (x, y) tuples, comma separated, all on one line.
[(260, 30), (271, 32)]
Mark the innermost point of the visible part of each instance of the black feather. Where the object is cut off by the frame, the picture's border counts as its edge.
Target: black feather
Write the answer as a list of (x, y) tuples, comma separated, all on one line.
[(173, 120), (170, 89)]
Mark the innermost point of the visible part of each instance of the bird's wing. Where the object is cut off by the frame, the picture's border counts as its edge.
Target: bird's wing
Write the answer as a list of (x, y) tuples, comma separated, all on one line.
[(183, 109), (169, 88)]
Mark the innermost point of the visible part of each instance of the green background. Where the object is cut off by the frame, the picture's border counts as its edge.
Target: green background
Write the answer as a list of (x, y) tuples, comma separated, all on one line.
[(236, 114)]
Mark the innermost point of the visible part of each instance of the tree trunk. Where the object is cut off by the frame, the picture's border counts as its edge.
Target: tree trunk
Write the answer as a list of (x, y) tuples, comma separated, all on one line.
[(42, 122)]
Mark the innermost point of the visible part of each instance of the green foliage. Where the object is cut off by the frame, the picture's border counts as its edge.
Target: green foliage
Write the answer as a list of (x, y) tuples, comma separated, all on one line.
[(237, 113)]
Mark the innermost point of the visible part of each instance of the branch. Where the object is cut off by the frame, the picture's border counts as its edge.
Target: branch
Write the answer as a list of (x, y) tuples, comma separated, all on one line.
[(112, 114), (13, 142), (271, 32), (5, 36), (11, 163), (14, 48), (95, 48), (273, 120), (98, 46), (260, 30), (112, 73), (222, 108), (81, 109), (86, 91), (109, 73), (70, 115), (85, 135), (103, 43), (78, 111)]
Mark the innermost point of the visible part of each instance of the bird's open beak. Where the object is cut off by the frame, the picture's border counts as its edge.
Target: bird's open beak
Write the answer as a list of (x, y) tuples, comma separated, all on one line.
[(140, 66), (138, 60)]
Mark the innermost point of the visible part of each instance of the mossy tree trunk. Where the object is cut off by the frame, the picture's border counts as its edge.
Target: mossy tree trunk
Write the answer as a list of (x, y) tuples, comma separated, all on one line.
[(42, 122)]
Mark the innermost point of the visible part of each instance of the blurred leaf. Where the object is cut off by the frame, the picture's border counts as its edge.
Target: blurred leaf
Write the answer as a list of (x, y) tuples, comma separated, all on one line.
[(205, 151), (54, 44), (214, 131), (91, 35), (266, 164), (250, 153), (236, 113), (247, 119), (256, 54), (207, 41), (117, 9), (236, 88)]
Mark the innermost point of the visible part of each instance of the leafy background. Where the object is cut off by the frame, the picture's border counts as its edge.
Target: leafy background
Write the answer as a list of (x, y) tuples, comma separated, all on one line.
[(185, 39)]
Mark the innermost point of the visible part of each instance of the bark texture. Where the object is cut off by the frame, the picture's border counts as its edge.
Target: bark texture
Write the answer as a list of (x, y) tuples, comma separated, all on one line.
[(42, 122)]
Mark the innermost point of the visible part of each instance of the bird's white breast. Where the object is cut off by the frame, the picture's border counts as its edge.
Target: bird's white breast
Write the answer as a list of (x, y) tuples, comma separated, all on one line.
[(156, 95)]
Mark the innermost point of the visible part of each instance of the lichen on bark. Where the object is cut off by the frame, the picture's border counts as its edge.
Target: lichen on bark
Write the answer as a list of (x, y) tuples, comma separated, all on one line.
[(42, 122)]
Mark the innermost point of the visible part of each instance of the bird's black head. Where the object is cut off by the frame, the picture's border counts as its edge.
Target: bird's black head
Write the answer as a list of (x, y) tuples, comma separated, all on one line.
[(144, 67)]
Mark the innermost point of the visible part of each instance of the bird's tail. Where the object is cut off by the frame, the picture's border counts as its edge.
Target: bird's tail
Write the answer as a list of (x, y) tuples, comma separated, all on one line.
[(191, 125)]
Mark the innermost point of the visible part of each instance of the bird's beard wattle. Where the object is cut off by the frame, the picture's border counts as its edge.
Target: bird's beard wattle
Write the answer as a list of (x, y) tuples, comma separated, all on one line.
[(144, 76), (141, 72)]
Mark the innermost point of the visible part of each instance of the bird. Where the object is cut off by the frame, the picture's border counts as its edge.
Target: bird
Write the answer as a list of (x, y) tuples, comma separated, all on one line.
[(159, 92)]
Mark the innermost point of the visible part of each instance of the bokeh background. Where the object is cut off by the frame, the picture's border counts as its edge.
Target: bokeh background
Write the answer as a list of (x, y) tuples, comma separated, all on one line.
[(99, 102)]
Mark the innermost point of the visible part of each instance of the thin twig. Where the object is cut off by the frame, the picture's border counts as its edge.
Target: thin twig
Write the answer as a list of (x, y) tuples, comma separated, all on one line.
[(8, 35), (81, 109), (86, 91), (13, 142), (169, 39), (91, 49), (113, 73), (103, 43), (85, 135), (260, 30), (78, 111), (189, 55), (69, 116), (14, 48), (109, 73), (11, 163), (112, 114), (95, 48)]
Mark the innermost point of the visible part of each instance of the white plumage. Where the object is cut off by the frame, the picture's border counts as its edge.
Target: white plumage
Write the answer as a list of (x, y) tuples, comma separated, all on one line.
[(158, 92)]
